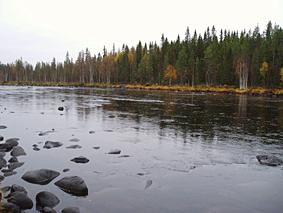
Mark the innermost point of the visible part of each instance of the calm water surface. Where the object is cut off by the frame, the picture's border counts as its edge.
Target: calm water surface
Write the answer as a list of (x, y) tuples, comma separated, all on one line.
[(197, 150)]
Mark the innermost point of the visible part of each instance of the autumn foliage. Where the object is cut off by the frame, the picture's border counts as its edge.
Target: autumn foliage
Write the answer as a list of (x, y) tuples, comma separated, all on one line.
[(170, 73)]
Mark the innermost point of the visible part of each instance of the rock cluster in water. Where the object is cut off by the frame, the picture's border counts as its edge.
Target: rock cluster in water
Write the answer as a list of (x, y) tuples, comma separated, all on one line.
[(269, 160)]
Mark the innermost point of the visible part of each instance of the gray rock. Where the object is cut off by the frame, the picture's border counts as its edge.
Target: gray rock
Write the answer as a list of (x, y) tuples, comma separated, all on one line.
[(269, 160), (71, 210), (13, 141), (21, 200), (15, 165), (124, 156), (5, 147), (66, 170), (52, 144), (13, 159), (18, 151), (1, 138), (91, 132), (74, 147), (46, 199), (9, 173), (61, 108), (80, 159), (2, 154), (3, 163), (40, 176), (73, 185), (45, 133), (9, 207), (36, 148), (1, 178), (18, 188), (148, 184), (74, 140), (96, 147), (115, 152), (3, 127), (48, 210)]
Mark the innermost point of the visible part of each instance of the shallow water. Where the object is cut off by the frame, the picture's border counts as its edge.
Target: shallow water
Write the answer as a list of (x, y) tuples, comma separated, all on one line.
[(195, 152)]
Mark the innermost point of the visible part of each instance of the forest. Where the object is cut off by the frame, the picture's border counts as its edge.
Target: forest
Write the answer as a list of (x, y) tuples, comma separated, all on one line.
[(240, 59)]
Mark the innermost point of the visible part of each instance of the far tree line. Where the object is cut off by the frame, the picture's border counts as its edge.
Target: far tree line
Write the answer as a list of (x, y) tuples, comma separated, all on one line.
[(246, 58)]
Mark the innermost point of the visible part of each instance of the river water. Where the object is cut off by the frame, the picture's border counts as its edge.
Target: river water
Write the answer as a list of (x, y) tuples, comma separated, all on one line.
[(187, 152)]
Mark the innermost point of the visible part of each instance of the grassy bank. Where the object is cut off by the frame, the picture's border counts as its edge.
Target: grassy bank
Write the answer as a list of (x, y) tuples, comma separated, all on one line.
[(182, 88)]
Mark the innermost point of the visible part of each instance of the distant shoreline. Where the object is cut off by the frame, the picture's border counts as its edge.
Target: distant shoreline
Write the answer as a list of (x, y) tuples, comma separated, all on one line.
[(253, 91)]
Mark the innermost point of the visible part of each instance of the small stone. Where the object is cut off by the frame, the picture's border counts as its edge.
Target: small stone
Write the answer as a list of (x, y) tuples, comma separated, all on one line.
[(124, 156), (1, 138), (36, 148), (40, 176), (115, 152), (3, 127), (73, 185), (21, 200), (18, 151), (9, 173), (1, 178), (3, 163), (148, 184), (18, 188), (13, 159), (52, 144), (15, 165), (96, 147), (66, 170), (91, 132), (74, 147), (269, 160), (71, 210), (46, 199), (80, 159), (60, 108), (74, 140)]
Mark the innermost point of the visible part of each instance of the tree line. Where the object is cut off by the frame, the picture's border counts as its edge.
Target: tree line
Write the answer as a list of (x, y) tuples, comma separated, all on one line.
[(246, 58)]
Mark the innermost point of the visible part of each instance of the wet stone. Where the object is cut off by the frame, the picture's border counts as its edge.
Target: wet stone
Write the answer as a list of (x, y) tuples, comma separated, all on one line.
[(10, 207), (96, 147), (2, 154), (3, 163), (40, 176), (15, 165), (36, 148), (148, 184), (74, 140), (115, 152), (21, 200), (269, 160), (46, 199), (1, 178), (91, 132), (71, 210), (52, 144), (18, 188), (9, 173), (74, 147), (13, 159), (60, 108), (18, 151), (1, 138), (124, 156), (48, 210), (66, 170), (73, 185), (2, 127), (13, 141), (80, 159), (5, 147)]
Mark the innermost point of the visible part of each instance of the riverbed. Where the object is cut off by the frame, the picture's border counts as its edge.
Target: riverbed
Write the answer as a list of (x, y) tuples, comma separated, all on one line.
[(180, 152)]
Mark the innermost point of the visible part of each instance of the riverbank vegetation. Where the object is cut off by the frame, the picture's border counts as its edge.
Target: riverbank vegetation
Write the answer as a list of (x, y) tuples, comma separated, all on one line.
[(246, 59)]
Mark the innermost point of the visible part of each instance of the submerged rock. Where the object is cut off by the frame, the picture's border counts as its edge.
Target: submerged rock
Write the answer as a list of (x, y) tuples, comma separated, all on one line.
[(66, 170), (96, 147), (46, 199), (269, 160), (52, 144), (1, 138), (40, 176), (74, 140), (61, 108), (74, 147), (36, 148), (80, 159), (148, 184), (3, 163), (13, 159), (18, 151), (115, 152), (124, 156), (91, 132), (21, 200), (71, 210), (73, 185), (9, 172), (2, 127)]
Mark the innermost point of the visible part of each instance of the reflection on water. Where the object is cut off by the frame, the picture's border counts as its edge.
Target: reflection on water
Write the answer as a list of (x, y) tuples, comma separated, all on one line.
[(197, 151)]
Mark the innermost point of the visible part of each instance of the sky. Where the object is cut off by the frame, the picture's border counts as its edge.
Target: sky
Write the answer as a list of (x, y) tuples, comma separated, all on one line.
[(38, 30)]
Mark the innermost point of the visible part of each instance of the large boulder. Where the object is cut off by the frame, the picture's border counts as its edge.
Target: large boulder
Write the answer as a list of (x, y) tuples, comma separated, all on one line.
[(269, 160), (73, 185), (40, 176)]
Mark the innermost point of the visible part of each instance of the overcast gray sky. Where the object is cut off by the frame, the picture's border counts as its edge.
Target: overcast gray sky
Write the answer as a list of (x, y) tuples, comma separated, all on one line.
[(38, 30)]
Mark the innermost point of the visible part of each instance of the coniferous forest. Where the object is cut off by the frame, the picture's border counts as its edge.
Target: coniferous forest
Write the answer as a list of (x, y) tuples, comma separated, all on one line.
[(214, 58)]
